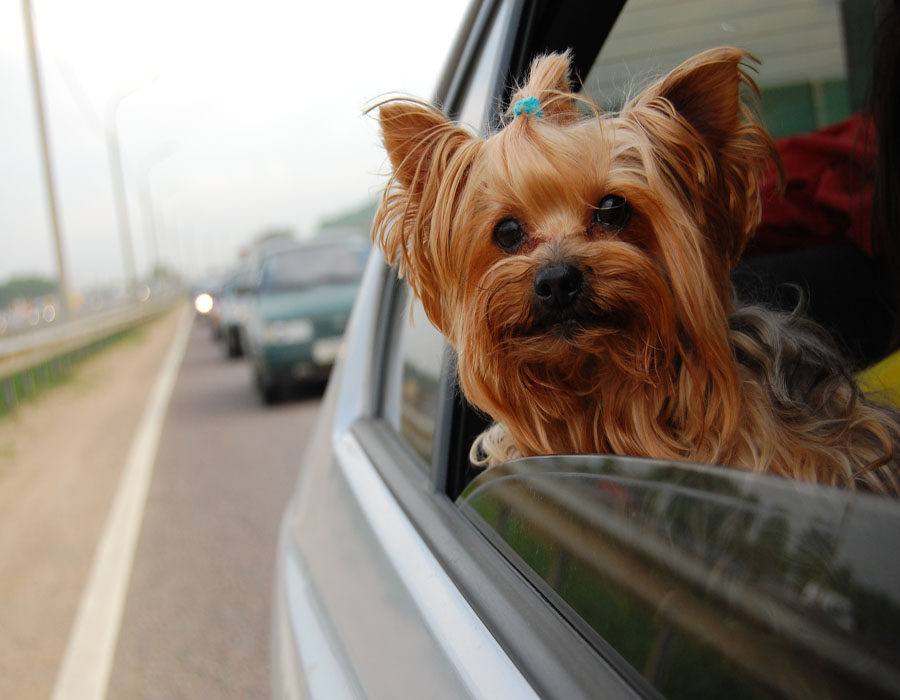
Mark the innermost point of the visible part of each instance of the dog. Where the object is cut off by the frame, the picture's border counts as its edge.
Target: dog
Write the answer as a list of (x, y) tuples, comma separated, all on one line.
[(579, 264)]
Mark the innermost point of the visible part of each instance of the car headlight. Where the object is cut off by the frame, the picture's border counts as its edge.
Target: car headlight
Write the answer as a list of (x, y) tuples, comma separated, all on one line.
[(298, 330), (203, 303)]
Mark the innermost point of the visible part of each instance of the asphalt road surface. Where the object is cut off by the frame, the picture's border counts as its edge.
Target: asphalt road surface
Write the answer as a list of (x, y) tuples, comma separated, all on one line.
[(195, 622)]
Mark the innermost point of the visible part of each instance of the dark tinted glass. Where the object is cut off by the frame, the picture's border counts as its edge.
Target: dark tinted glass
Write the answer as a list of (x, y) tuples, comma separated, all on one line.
[(708, 582)]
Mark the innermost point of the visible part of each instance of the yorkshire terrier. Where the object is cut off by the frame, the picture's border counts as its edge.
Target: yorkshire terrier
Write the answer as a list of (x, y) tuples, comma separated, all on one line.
[(579, 264)]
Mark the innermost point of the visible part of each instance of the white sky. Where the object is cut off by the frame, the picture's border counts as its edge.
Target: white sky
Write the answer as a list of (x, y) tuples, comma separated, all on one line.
[(254, 120)]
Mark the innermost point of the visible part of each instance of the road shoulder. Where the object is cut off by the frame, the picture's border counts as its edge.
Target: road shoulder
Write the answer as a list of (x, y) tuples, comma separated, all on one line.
[(61, 458)]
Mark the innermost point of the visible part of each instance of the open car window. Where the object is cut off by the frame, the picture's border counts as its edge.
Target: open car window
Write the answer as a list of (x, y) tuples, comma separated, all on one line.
[(813, 68), (772, 587), (705, 581)]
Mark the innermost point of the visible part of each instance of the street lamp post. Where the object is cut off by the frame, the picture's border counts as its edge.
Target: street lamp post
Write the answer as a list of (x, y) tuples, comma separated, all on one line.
[(118, 184), (172, 226), (48, 168), (164, 153), (150, 225)]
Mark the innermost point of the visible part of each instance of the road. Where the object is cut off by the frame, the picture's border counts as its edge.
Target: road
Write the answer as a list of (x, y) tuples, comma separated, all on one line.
[(195, 621)]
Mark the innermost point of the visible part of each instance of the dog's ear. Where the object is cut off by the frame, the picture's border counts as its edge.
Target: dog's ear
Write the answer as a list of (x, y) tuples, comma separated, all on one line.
[(430, 157), (705, 92), (418, 139), (703, 119)]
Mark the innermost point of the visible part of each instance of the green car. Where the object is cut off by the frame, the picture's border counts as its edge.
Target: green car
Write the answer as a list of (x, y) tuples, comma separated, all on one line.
[(303, 298)]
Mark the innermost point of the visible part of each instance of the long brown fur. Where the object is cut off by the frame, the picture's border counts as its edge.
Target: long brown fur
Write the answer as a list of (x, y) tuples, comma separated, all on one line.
[(660, 363)]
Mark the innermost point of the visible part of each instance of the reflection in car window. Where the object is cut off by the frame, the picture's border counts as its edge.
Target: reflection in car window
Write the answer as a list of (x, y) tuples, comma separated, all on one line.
[(772, 587), (802, 73), (421, 348), (307, 267)]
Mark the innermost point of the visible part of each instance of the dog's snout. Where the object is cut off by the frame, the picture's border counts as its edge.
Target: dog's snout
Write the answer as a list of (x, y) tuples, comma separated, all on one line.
[(558, 285)]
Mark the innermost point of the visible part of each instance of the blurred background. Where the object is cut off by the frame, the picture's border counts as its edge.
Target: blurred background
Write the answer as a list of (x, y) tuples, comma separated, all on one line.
[(186, 190), (179, 131)]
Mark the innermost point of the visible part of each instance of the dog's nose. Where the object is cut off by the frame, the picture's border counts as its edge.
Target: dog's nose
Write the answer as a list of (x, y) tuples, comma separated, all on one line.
[(558, 285)]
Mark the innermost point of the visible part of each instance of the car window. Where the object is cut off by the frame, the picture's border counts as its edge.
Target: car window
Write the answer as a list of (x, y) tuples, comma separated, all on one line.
[(772, 587), (802, 75)]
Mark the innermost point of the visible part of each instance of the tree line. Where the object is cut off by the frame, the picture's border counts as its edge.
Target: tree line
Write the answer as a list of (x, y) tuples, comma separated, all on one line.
[(27, 287)]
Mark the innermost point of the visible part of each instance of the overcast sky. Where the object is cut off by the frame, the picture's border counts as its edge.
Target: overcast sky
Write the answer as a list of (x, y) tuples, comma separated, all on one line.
[(250, 116)]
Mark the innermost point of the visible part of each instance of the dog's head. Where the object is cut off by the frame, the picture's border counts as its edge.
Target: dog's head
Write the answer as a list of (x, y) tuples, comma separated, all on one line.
[(575, 253)]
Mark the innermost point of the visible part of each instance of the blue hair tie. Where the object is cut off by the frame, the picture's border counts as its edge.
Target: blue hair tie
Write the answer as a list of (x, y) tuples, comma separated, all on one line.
[(530, 105)]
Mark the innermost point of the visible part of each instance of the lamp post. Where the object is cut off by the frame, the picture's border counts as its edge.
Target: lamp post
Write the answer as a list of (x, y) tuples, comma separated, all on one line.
[(164, 153), (178, 259), (118, 183), (48, 166)]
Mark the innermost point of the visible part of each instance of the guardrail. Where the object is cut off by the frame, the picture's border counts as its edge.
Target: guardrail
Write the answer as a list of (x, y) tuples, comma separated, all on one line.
[(44, 356)]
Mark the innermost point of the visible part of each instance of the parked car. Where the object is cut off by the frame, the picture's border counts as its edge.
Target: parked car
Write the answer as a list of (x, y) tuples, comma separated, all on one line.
[(404, 573), (297, 315)]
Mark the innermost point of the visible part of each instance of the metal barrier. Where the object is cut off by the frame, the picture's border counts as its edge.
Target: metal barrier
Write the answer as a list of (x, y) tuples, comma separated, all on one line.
[(46, 355)]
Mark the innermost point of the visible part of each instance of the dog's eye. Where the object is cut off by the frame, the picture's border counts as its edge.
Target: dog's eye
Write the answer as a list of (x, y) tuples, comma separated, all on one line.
[(612, 212), (509, 235)]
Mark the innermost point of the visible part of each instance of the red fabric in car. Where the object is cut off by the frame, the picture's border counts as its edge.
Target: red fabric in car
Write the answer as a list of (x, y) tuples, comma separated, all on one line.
[(828, 190)]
